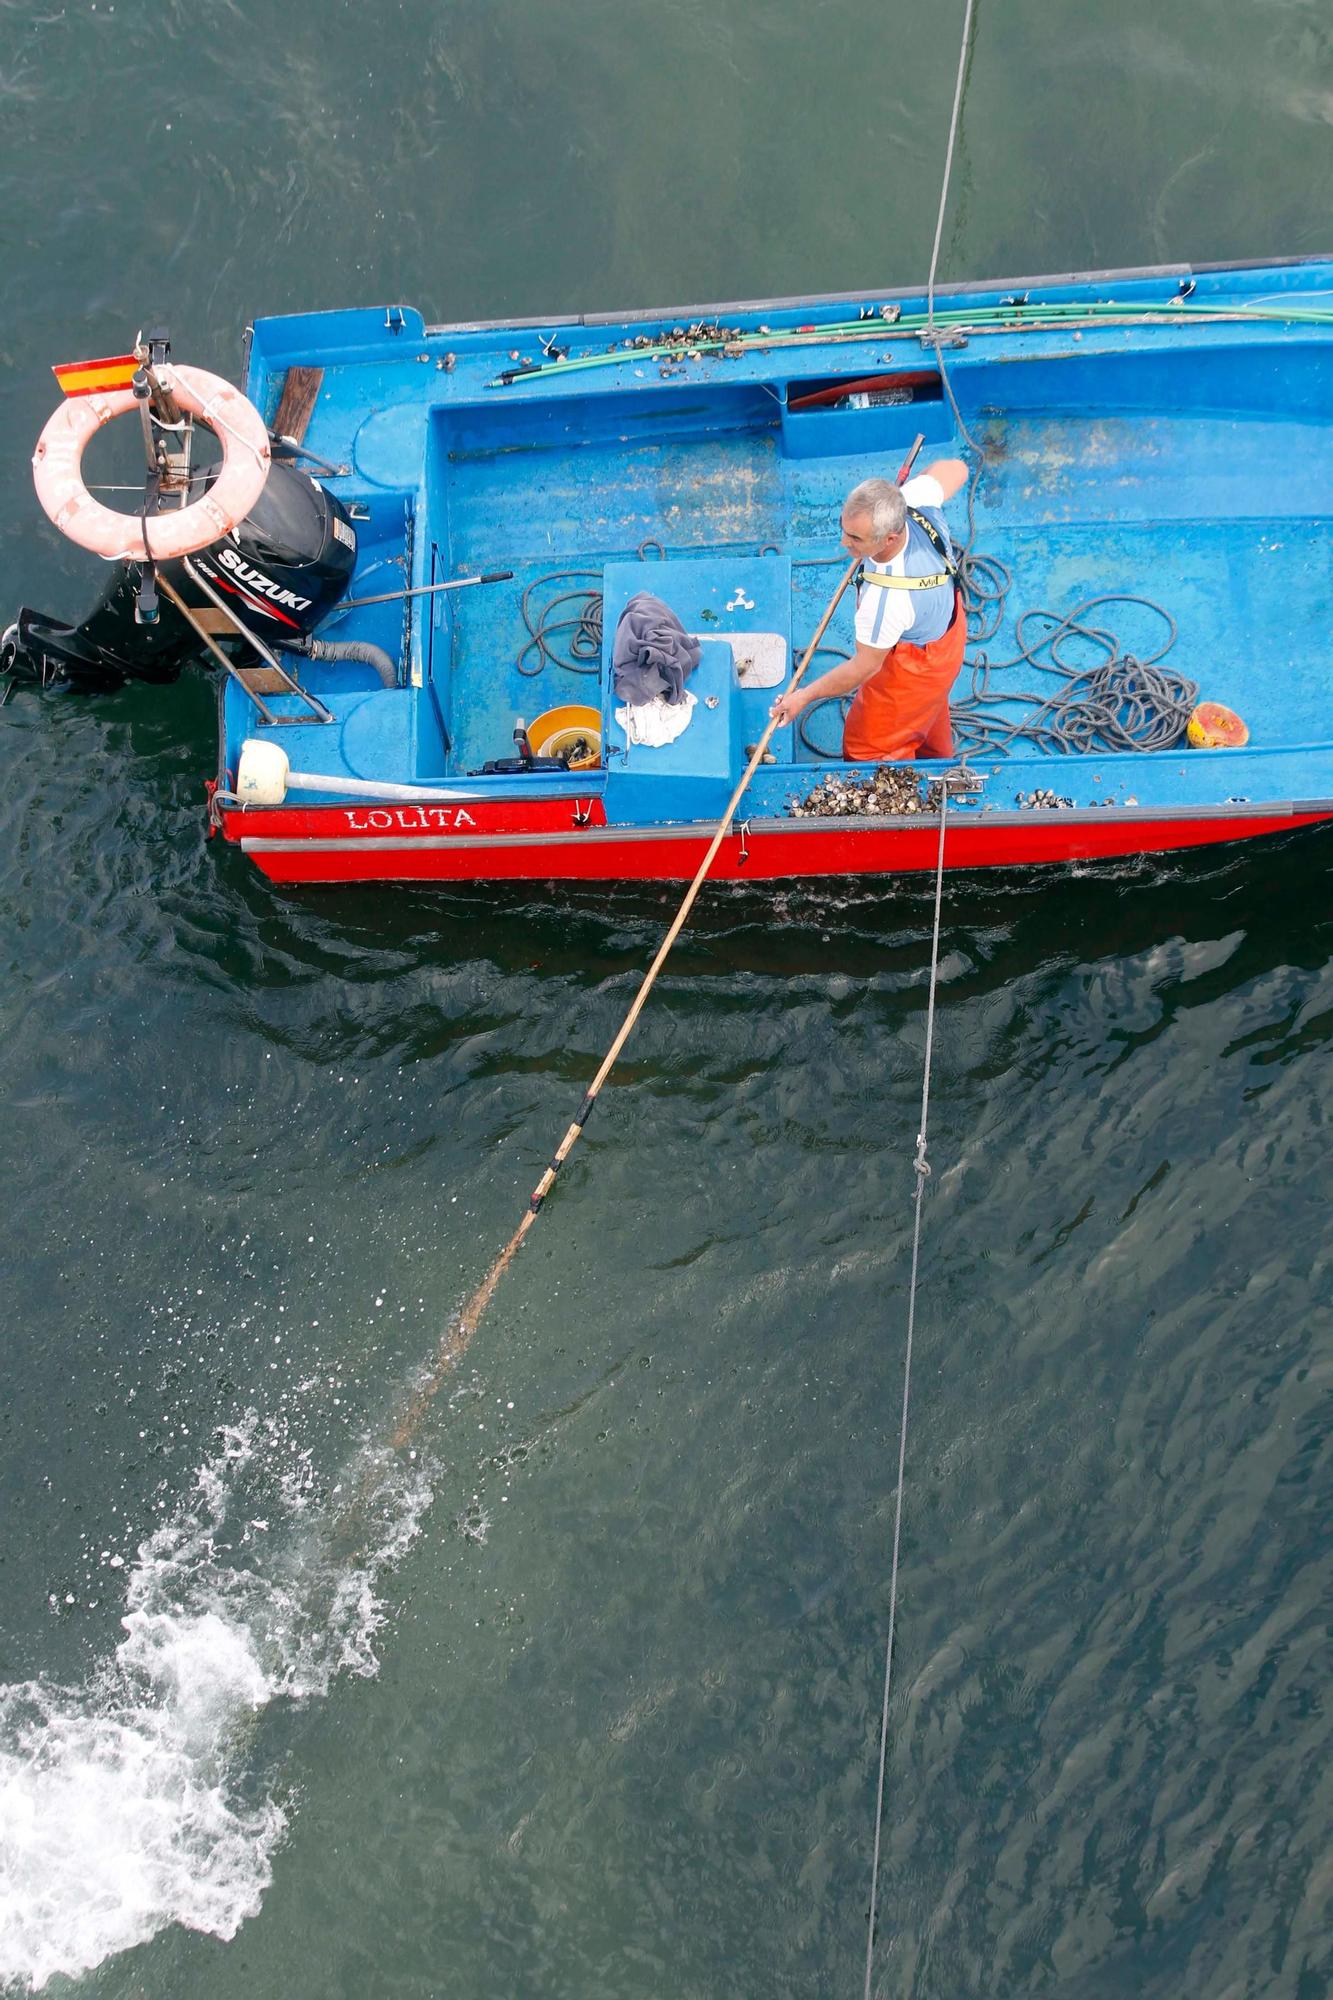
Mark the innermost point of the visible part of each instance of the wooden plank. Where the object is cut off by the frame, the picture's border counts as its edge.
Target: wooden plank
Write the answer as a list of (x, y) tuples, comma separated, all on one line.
[(300, 393), (265, 680), (219, 623)]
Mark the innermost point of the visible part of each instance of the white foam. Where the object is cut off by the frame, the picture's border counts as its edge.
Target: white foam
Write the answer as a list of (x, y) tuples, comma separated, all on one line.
[(128, 1804)]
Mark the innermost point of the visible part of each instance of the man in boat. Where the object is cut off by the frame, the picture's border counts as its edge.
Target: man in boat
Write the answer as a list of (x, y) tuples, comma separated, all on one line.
[(910, 629)]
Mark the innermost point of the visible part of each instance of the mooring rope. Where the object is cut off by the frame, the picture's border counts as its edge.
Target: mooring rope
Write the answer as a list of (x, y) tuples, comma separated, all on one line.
[(920, 1163), (1124, 701), (921, 1167), (948, 164)]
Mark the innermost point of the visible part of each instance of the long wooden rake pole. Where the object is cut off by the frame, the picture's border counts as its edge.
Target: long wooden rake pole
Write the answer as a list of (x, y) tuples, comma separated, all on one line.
[(460, 1332)]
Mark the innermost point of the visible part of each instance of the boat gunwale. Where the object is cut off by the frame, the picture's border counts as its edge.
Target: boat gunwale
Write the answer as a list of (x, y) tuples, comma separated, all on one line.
[(955, 288)]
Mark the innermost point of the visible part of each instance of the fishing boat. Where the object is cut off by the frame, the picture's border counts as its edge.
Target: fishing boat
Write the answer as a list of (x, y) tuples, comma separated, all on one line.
[(411, 564)]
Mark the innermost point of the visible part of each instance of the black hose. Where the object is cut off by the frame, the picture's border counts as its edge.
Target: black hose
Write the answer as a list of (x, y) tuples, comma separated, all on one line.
[(354, 649)]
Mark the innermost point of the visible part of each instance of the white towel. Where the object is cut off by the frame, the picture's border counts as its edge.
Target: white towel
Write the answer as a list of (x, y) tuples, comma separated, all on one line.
[(655, 722)]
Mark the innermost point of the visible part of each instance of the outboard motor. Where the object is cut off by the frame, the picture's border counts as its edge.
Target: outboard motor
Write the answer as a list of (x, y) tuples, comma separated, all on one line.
[(278, 569)]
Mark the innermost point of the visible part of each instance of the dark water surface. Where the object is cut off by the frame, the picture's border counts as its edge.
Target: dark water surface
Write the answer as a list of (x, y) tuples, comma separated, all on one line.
[(583, 1700)]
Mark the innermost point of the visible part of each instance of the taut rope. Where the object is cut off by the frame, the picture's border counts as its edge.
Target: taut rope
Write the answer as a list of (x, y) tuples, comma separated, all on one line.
[(920, 1163), (922, 1169)]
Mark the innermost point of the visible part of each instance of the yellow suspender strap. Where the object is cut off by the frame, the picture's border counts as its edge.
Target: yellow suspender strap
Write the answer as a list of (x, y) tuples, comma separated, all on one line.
[(934, 538), (907, 582)]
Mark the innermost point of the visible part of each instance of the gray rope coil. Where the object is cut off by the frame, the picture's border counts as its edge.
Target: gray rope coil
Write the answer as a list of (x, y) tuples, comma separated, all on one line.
[(1123, 702), (584, 654)]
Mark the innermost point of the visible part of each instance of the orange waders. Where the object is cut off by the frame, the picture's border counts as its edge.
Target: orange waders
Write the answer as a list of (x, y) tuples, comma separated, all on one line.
[(903, 711)]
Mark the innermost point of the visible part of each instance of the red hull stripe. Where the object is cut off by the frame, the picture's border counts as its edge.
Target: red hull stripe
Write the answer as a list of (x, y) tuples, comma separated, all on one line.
[(600, 853)]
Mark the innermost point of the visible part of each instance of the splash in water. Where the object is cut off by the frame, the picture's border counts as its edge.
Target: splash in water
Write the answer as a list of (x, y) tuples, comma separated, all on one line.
[(129, 1803)]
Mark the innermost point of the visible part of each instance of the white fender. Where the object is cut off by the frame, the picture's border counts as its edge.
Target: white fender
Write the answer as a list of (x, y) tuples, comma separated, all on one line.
[(261, 773), (264, 777)]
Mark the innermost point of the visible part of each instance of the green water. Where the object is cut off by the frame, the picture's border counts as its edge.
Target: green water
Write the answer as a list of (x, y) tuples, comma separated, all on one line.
[(601, 1718)]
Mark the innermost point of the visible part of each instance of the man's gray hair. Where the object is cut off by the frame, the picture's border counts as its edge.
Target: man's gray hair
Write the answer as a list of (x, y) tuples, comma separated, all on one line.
[(882, 504)]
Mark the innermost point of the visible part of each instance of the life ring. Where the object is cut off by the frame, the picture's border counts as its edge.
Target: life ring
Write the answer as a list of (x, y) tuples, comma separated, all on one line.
[(57, 470)]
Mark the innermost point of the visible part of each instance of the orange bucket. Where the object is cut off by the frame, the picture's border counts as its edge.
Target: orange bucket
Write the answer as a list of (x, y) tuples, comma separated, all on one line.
[(1213, 727), (574, 730)]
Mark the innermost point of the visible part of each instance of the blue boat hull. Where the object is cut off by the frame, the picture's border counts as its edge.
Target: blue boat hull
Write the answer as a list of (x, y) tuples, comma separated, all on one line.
[(1160, 435)]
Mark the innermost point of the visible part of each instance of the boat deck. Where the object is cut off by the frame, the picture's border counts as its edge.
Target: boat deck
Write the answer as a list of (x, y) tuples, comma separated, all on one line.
[(1042, 513)]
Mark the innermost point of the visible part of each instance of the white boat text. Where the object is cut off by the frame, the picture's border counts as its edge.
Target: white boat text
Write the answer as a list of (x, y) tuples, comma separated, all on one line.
[(408, 819)]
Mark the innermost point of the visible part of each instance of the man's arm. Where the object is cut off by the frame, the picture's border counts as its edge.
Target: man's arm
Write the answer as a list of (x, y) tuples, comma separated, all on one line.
[(951, 474), (845, 678)]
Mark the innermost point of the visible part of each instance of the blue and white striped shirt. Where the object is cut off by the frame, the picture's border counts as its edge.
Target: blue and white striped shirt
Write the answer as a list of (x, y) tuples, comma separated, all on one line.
[(883, 617)]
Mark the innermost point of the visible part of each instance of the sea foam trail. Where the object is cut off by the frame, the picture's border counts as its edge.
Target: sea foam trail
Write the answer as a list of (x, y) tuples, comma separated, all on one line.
[(130, 1803)]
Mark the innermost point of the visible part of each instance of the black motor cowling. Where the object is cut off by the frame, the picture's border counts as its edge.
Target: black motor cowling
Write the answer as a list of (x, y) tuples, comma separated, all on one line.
[(279, 572)]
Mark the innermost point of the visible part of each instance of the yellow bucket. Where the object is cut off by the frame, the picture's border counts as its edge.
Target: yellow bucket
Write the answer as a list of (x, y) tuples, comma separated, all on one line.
[(573, 730)]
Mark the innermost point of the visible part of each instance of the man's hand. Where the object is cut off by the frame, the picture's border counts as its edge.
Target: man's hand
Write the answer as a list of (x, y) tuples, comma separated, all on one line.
[(788, 706), (845, 678)]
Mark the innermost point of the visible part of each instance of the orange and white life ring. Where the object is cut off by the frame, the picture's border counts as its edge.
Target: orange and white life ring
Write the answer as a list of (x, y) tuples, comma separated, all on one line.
[(57, 470)]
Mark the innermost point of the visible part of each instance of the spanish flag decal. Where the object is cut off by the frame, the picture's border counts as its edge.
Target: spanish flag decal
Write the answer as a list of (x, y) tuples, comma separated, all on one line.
[(85, 378)]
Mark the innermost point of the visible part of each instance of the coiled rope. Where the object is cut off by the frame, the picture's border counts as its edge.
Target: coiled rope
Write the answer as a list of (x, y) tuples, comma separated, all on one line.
[(584, 649), (1124, 701)]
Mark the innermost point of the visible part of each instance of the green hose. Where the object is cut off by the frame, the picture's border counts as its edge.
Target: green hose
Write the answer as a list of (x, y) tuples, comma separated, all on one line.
[(994, 319)]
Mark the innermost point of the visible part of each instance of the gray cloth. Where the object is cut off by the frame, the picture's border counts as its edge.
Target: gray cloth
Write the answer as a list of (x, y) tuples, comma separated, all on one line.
[(653, 653)]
